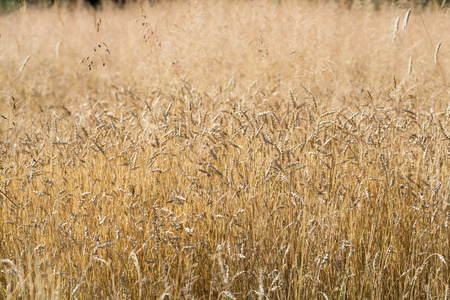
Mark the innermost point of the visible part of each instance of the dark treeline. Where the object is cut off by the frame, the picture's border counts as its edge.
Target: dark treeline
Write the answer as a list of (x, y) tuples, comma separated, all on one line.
[(10, 5)]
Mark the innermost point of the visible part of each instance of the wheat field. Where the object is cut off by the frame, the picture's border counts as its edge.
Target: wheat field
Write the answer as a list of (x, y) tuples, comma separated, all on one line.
[(225, 149)]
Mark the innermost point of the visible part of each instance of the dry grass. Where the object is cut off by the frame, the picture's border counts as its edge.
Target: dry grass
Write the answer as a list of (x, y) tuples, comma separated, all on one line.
[(235, 150)]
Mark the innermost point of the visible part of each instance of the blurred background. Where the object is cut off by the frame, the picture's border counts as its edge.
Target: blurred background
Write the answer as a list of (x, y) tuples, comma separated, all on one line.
[(12, 5)]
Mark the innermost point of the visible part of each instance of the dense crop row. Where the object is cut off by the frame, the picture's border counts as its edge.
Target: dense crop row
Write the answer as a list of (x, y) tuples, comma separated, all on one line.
[(224, 150)]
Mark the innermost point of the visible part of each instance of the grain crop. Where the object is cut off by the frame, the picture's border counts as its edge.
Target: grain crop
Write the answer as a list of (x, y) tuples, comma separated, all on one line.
[(225, 149)]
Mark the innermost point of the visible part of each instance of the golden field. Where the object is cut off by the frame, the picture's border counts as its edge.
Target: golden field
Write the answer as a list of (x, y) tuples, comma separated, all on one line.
[(225, 149)]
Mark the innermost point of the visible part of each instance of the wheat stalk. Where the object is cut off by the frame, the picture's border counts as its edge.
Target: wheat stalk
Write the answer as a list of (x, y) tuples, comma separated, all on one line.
[(436, 52), (405, 22), (24, 63), (394, 37)]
